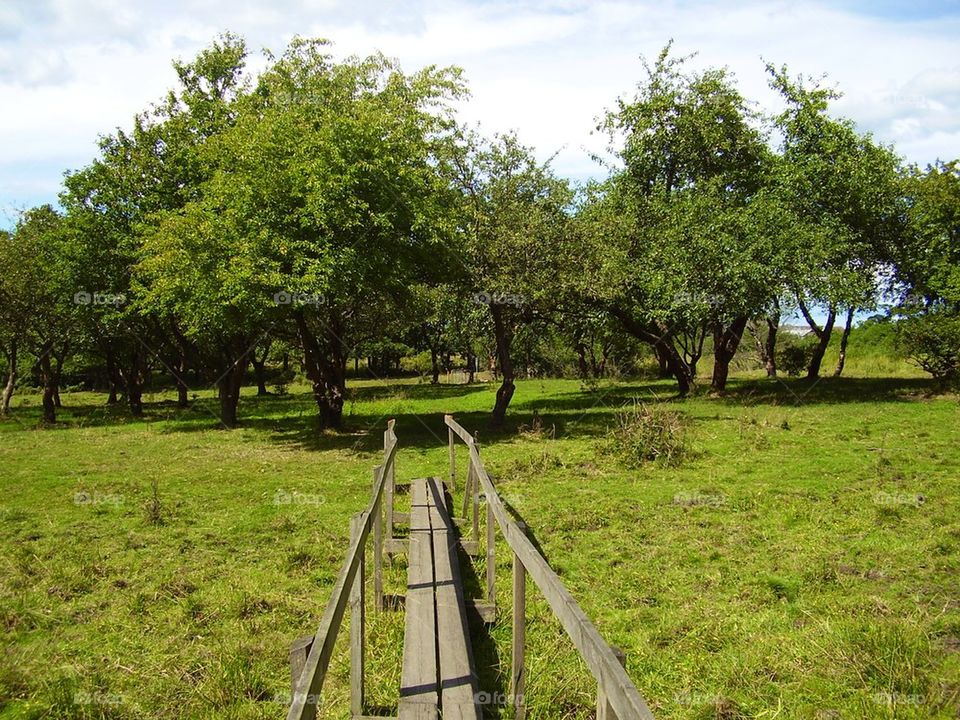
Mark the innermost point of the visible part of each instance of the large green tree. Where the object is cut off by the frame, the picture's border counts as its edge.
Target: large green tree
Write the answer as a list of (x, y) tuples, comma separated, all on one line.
[(516, 229), (842, 187), (680, 236)]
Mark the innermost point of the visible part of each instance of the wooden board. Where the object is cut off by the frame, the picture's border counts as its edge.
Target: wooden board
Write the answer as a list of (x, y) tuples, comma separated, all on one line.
[(438, 670), (458, 680), (419, 684)]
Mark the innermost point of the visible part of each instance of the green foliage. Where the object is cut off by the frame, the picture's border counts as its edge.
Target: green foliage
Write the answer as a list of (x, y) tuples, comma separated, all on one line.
[(793, 354), (932, 341)]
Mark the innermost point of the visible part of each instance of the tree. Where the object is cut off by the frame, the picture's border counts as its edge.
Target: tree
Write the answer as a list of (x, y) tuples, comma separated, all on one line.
[(927, 270), (678, 237), (843, 189), (42, 300), (517, 221)]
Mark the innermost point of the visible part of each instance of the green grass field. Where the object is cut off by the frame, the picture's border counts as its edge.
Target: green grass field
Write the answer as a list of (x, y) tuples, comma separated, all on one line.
[(802, 561)]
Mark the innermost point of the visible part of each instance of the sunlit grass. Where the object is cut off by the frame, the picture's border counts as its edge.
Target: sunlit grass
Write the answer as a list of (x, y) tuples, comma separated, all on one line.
[(800, 562)]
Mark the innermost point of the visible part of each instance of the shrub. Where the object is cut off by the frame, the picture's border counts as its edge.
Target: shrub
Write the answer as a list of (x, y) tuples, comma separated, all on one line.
[(794, 354), (932, 341), (645, 433)]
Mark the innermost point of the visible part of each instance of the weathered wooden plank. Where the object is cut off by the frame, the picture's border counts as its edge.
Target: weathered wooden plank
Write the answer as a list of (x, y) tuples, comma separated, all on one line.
[(419, 681), (518, 674), (491, 557), (604, 709), (458, 680), (378, 550), (389, 437), (357, 623), (452, 453)]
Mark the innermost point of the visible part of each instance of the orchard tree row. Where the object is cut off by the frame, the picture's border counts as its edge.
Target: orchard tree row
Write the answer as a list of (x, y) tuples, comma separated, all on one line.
[(337, 209)]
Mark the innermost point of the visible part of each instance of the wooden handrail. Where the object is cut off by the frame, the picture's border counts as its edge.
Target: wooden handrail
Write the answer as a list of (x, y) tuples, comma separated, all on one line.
[(620, 692), (306, 694)]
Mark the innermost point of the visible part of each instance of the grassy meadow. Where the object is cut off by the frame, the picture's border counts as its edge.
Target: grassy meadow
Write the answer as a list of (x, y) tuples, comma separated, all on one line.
[(801, 560)]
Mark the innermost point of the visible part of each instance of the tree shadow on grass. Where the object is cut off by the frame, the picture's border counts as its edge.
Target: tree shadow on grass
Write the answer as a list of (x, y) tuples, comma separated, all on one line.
[(587, 412)]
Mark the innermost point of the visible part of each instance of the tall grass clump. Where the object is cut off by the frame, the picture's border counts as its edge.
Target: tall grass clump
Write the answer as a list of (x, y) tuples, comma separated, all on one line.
[(647, 433)]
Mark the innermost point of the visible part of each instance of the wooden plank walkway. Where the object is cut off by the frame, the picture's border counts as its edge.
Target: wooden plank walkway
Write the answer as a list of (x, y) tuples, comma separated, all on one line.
[(438, 674)]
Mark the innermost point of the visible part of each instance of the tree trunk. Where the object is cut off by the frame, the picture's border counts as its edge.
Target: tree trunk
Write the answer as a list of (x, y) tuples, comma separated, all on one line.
[(228, 389), (183, 399), (725, 344), (841, 361), (770, 346), (663, 371), (11, 379), (504, 337), (434, 367), (113, 377), (134, 378), (662, 342), (260, 372), (58, 373), (48, 379), (260, 367), (582, 367), (823, 335), (325, 367)]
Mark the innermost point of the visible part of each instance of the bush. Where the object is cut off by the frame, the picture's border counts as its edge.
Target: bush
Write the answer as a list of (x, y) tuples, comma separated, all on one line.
[(932, 341), (645, 433), (794, 354)]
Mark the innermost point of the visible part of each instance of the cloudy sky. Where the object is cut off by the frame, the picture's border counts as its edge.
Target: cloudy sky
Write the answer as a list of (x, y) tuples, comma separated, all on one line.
[(72, 69)]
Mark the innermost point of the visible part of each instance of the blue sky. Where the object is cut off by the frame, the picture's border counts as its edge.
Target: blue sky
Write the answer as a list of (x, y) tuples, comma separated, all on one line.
[(71, 70)]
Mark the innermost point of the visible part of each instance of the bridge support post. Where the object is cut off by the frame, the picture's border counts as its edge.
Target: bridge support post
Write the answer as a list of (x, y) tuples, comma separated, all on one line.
[(491, 557), (476, 499), (378, 547), (452, 452), (357, 622), (517, 672), (391, 480), (604, 710)]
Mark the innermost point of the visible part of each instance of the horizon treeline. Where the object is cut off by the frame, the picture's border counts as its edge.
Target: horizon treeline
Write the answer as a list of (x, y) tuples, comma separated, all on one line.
[(326, 210)]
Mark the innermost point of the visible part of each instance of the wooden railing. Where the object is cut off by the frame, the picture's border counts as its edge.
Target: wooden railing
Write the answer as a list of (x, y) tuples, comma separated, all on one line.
[(617, 697), (310, 656)]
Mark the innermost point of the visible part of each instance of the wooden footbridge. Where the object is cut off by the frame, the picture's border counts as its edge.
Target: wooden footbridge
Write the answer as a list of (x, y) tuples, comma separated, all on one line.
[(439, 679)]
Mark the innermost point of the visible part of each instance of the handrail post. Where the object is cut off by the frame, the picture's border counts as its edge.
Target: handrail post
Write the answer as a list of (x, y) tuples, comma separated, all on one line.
[(357, 622), (476, 498), (468, 487), (391, 477), (604, 710), (378, 546), (452, 452), (517, 673), (491, 557)]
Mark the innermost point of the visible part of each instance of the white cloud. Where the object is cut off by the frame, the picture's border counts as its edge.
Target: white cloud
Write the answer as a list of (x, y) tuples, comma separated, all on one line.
[(70, 70)]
